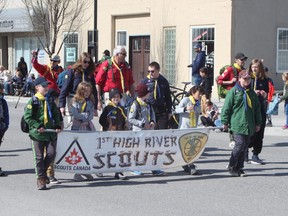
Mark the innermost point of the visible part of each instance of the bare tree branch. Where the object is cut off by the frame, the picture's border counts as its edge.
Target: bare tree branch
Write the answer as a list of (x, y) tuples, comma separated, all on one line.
[(3, 5), (50, 16)]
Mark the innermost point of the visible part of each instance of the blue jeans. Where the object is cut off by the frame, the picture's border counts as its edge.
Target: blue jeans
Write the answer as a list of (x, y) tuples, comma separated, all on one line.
[(286, 112), (197, 79), (238, 153)]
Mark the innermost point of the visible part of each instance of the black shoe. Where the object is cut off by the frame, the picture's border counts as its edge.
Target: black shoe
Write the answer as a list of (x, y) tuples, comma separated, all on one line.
[(242, 173), (53, 180), (120, 176), (2, 174), (233, 172)]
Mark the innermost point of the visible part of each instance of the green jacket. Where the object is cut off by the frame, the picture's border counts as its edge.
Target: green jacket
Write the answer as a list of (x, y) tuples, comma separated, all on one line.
[(234, 114), (35, 119)]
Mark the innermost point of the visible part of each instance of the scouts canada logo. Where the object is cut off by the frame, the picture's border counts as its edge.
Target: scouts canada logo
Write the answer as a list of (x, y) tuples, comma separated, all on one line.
[(192, 145), (73, 158)]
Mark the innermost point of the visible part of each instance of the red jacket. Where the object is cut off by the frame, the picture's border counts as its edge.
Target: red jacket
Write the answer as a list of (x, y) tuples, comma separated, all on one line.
[(50, 74), (109, 77)]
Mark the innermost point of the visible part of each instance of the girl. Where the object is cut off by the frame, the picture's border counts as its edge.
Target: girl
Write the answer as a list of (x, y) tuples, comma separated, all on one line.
[(285, 97), (189, 109), (82, 108), (260, 84)]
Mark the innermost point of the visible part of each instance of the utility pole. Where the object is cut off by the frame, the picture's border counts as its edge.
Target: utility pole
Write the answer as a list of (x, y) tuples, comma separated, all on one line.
[(95, 31)]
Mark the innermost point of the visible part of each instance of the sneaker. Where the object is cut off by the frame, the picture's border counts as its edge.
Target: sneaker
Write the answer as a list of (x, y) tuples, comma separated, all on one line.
[(190, 169), (158, 172), (269, 124), (285, 127), (256, 160), (88, 176), (242, 173), (41, 185), (232, 144), (78, 177), (2, 173), (53, 180), (100, 175), (233, 172), (137, 173), (120, 176)]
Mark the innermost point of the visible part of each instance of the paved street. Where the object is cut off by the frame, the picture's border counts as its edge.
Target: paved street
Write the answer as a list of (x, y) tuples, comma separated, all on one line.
[(211, 192)]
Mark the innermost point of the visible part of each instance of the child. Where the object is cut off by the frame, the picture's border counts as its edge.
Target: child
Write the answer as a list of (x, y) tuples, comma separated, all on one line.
[(8, 90), (82, 108), (45, 116), (207, 87), (4, 119), (285, 97), (211, 114), (189, 109), (142, 116), (17, 81), (113, 118)]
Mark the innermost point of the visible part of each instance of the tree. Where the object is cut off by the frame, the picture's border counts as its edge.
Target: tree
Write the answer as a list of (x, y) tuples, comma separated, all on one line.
[(3, 5), (50, 16)]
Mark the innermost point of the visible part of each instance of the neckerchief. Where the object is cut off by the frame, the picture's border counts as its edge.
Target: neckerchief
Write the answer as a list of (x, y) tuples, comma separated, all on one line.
[(156, 87), (116, 107), (83, 107), (142, 103), (121, 75), (237, 66), (246, 98), (46, 106)]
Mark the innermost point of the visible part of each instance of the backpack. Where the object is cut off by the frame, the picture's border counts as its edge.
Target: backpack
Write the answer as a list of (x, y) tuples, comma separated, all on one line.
[(23, 124), (222, 89)]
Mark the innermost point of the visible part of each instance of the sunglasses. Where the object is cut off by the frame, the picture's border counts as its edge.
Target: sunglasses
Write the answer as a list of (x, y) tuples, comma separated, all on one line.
[(86, 62), (151, 71)]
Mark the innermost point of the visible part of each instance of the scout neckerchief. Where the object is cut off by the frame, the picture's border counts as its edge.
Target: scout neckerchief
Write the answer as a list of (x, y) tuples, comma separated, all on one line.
[(121, 75), (46, 107), (192, 112), (246, 97), (83, 107), (116, 107), (156, 87), (142, 103), (253, 75), (49, 70)]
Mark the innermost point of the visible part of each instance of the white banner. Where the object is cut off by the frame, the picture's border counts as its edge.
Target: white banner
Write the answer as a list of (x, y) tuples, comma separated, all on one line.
[(123, 151)]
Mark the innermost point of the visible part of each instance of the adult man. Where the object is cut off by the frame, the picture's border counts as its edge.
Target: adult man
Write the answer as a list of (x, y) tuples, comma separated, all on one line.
[(49, 72), (230, 76), (115, 73), (199, 62), (160, 95)]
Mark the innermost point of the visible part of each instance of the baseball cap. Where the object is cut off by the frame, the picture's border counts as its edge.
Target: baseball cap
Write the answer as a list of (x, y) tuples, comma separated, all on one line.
[(244, 74), (41, 81), (241, 56), (198, 45), (55, 58)]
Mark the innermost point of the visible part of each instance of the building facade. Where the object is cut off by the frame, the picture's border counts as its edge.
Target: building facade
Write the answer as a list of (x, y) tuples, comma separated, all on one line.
[(166, 31)]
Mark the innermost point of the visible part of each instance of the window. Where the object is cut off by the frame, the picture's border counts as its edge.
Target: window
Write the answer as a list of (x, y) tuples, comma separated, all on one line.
[(169, 54), (70, 48), (282, 50), (121, 38)]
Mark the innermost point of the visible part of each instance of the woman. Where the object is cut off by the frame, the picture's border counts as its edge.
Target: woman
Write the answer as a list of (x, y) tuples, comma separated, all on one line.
[(82, 70)]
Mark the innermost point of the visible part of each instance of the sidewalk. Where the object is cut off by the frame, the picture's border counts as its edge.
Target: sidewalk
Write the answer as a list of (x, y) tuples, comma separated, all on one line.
[(277, 120)]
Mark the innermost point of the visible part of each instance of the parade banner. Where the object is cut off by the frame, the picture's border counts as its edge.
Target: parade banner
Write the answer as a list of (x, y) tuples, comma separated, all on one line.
[(123, 151)]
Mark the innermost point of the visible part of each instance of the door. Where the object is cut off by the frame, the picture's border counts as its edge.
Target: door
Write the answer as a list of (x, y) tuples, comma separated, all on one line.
[(139, 56)]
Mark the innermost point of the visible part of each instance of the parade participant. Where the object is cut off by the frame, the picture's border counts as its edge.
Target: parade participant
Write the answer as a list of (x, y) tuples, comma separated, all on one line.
[(113, 118), (284, 97), (42, 113), (50, 71), (115, 73), (241, 112), (82, 109), (260, 84), (189, 109), (199, 62), (142, 116), (230, 75), (4, 119), (160, 95), (82, 70), (22, 65), (269, 97)]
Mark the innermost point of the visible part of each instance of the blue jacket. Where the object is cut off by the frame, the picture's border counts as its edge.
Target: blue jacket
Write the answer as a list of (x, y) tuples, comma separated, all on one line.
[(198, 62)]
